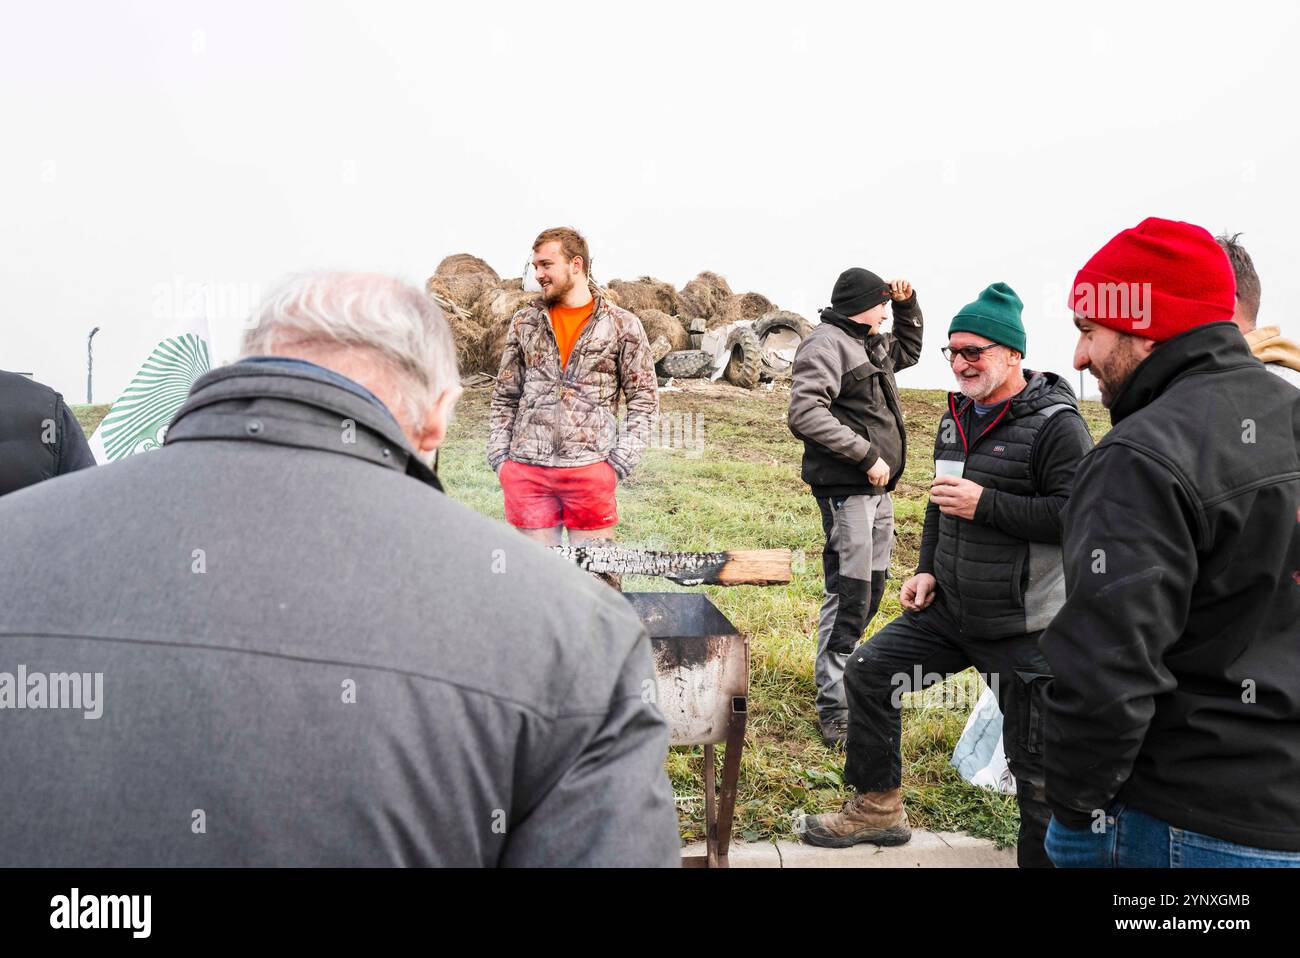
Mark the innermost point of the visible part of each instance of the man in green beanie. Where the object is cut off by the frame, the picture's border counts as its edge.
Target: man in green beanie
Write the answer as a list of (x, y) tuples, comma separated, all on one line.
[(988, 582)]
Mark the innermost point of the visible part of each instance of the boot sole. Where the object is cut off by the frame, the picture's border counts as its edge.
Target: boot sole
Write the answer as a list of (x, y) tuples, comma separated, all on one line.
[(885, 837)]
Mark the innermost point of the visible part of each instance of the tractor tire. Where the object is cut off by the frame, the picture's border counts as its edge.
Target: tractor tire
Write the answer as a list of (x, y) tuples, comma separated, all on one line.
[(686, 364), (745, 366), (784, 323)]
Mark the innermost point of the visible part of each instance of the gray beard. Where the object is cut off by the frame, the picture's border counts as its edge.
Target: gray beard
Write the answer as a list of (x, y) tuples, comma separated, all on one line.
[(976, 384)]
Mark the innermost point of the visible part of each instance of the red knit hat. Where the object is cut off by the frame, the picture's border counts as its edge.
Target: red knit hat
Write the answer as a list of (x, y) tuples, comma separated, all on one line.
[(1156, 280)]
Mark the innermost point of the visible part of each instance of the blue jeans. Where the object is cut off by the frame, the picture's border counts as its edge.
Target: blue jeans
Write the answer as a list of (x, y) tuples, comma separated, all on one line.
[(1134, 839)]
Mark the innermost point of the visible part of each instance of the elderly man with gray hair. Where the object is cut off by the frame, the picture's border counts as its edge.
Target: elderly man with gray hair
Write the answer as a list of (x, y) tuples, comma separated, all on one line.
[(308, 654)]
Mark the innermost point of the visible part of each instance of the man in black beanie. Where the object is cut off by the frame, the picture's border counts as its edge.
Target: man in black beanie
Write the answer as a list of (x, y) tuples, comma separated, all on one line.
[(844, 406)]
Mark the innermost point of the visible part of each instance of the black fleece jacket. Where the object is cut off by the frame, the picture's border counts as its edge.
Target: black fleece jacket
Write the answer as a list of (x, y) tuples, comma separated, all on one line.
[(1177, 653)]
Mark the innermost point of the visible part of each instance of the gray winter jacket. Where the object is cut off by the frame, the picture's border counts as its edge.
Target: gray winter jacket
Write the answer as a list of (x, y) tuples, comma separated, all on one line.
[(844, 401), (310, 656)]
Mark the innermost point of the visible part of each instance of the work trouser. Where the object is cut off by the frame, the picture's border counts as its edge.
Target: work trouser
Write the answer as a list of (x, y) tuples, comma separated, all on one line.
[(919, 648), (855, 563)]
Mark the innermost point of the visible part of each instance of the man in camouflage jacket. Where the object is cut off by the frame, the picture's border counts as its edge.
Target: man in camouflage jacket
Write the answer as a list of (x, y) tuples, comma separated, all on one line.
[(556, 442)]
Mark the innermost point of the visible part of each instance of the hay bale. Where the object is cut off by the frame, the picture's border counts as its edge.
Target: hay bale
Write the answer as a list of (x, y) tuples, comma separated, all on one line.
[(493, 312), (466, 278), (463, 264), (492, 346), (499, 304), (658, 323), (467, 334), (720, 287), (704, 294), (438, 290), (647, 293), (747, 306)]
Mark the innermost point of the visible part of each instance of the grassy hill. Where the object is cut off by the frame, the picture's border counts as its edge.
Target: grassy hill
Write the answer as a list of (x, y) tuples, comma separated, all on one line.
[(736, 485)]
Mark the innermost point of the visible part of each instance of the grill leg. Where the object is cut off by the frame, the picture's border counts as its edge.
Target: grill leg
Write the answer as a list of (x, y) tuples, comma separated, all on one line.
[(710, 807), (731, 775)]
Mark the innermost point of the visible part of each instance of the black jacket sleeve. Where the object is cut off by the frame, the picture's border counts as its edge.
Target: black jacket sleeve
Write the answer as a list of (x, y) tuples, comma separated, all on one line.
[(74, 450), (1130, 565), (905, 336), (1061, 444), (929, 539)]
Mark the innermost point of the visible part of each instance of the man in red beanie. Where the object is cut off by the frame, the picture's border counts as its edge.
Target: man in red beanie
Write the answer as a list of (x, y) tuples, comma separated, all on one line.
[(1173, 727)]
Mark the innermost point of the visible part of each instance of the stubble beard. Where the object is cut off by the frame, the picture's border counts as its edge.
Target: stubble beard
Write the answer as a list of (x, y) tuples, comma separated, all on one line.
[(1115, 373), (555, 293)]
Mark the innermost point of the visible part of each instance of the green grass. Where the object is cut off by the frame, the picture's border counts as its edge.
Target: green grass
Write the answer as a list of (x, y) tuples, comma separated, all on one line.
[(90, 416), (743, 491)]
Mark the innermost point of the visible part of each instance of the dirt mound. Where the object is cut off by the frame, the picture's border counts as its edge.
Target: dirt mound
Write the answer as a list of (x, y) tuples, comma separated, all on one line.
[(658, 323), (748, 306), (647, 293)]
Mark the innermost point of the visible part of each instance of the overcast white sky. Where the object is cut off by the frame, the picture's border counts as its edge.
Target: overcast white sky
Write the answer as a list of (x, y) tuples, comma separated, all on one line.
[(152, 145)]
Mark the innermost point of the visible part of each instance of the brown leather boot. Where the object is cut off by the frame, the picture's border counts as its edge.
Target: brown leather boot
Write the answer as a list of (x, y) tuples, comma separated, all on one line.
[(876, 817)]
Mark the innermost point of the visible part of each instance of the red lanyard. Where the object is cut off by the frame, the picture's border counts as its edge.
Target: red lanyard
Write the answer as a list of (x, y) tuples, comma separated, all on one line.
[(952, 407)]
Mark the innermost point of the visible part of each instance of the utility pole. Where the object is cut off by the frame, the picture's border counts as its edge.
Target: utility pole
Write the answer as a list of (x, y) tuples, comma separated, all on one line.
[(90, 367)]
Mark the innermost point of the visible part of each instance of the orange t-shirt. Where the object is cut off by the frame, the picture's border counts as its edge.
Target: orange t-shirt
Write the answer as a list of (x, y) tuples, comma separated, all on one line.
[(568, 324)]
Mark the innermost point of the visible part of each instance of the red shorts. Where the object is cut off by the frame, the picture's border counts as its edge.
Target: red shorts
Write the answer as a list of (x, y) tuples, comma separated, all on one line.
[(543, 497)]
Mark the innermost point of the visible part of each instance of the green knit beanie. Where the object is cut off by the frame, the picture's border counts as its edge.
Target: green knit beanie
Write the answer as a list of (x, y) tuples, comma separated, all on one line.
[(995, 315)]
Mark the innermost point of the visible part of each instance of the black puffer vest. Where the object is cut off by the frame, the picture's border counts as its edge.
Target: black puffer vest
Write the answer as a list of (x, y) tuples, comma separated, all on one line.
[(993, 583), (29, 413)]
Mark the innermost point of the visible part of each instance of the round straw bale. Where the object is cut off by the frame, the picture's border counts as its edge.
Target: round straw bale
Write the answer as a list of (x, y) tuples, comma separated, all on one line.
[(647, 293), (658, 323), (704, 294), (466, 277), (748, 306), (499, 304)]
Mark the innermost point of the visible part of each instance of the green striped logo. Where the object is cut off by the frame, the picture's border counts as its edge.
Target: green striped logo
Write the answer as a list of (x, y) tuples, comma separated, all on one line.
[(138, 420)]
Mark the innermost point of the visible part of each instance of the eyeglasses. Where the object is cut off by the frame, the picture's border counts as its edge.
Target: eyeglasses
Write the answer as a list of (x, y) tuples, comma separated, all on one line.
[(972, 354)]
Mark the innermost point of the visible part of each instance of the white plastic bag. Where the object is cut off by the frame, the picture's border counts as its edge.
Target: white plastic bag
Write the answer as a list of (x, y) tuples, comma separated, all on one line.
[(979, 756)]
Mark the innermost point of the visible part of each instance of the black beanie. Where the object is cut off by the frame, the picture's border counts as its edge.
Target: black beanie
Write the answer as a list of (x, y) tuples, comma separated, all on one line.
[(858, 290)]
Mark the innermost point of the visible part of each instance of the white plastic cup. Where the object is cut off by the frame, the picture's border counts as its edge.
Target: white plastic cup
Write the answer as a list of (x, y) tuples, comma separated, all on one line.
[(949, 467)]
